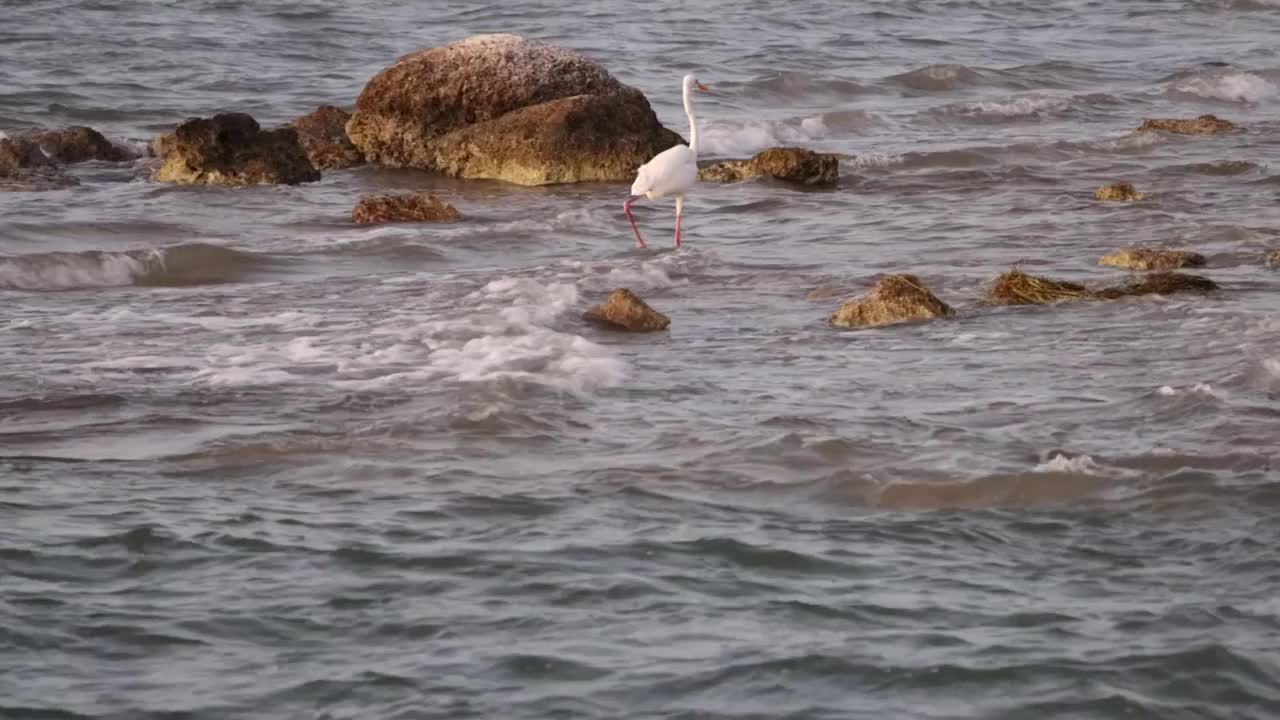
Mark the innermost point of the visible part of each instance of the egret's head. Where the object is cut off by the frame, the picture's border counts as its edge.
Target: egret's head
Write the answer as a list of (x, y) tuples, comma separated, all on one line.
[(691, 83)]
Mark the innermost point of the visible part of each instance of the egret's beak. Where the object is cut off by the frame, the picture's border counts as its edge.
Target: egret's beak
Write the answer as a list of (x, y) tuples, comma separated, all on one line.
[(703, 88)]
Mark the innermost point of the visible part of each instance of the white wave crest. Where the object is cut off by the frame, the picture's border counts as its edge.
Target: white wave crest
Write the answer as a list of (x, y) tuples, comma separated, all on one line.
[(1012, 108), (1080, 464), (1199, 388), (63, 271), (742, 139), (1227, 85)]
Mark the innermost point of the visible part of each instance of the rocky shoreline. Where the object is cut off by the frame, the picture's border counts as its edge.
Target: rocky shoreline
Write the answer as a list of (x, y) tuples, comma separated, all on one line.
[(547, 116)]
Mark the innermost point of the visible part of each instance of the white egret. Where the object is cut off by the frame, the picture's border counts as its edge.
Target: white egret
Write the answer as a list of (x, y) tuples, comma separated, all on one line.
[(671, 172)]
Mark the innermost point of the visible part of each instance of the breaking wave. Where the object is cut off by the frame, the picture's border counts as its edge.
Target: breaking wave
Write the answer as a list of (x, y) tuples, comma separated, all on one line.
[(175, 266)]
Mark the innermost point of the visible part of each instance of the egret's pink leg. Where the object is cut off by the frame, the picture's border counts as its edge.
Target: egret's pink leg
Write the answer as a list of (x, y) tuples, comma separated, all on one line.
[(626, 207), (679, 209)]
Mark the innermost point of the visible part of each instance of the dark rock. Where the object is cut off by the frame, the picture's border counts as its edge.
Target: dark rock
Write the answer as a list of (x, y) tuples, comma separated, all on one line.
[(231, 149), (323, 135), (413, 207)]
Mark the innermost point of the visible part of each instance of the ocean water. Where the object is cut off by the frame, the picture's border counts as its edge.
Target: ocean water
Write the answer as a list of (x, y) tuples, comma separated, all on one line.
[(258, 462)]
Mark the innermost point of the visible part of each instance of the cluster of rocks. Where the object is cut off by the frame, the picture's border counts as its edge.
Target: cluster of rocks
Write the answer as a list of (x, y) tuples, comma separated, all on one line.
[(546, 115), (903, 298)]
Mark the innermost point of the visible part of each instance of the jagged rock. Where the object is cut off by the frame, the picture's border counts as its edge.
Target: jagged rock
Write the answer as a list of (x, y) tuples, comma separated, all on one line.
[(625, 310), (1018, 288), (1203, 125), (412, 207), (323, 135), (792, 164), (231, 149), (79, 144), (1120, 192), (506, 108), (895, 299), (25, 168), (1145, 258)]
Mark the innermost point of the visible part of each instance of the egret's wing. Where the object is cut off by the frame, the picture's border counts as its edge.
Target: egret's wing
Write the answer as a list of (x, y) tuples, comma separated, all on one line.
[(671, 171)]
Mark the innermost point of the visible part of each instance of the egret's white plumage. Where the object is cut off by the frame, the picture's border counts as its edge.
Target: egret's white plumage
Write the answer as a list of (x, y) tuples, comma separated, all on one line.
[(671, 172)]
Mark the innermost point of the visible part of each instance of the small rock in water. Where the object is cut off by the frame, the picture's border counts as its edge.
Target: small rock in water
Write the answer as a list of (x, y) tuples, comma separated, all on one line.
[(1273, 258), (1018, 288), (1146, 258), (1121, 192), (1203, 125), (79, 144), (231, 149), (410, 207), (790, 164), (895, 299), (323, 135), (25, 168), (625, 310)]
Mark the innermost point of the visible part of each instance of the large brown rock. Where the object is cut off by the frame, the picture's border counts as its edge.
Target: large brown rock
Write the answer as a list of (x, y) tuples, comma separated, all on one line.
[(791, 164), (411, 207), (323, 135), (1118, 192), (505, 108), (79, 144), (1148, 258), (24, 167), (895, 299), (1203, 125), (231, 149), (624, 310)]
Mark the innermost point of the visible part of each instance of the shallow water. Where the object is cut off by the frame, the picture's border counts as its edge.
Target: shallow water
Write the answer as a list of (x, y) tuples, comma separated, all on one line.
[(257, 462)]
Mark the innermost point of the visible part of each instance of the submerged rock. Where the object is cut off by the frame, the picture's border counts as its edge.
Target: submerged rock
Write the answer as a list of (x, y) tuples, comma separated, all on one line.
[(625, 310), (323, 135), (79, 144), (1146, 258), (827, 292), (1120, 192), (1018, 288), (24, 167), (411, 207), (1161, 283), (231, 149), (1273, 258), (505, 108), (895, 299), (1203, 125), (791, 164)]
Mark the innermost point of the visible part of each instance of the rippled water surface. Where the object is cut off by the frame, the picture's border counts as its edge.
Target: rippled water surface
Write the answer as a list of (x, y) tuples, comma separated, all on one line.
[(258, 462)]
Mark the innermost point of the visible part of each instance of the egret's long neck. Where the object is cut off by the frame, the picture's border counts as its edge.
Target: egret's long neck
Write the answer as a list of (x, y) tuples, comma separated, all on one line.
[(693, 122)]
